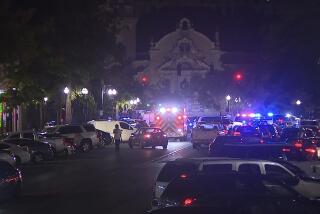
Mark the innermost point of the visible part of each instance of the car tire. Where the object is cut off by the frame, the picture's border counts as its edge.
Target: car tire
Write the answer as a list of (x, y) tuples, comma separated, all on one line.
[(37, 158), (130, 144), (141, 145), (165, 146), (86, 146)]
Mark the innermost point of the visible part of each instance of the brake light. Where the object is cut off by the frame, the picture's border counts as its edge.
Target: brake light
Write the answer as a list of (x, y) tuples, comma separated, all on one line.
[(262, 141), (188, 202), (236, 133), (310, 150), (157, 118), (298, 145), (183, 176), (179, 117), (147, 136)]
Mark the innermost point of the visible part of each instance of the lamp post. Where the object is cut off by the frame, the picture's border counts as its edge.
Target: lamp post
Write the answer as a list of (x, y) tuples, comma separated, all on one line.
[(112, 93), (67, 110), (85, 92), (45, 99), (298, 103), (228, 98)]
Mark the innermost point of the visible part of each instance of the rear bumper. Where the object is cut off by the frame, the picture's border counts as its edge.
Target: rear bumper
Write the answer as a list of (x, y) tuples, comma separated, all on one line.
[(201, 141)]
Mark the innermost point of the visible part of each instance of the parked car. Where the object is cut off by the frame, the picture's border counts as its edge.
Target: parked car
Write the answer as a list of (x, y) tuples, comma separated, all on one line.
[(39, 151), (305, 146), (235, 193), (148, 137), (189, 169), (240, 147), (21, 154), (109, 125), (203, 134), (59, 143), (8, 157), (11, 181), (104, 137), (84, 137)]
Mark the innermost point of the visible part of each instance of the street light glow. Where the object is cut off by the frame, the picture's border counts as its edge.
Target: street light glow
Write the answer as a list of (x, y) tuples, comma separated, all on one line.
[(298, 102), (288, 115), (66, 90), (84, 91), (45, 99), (270, 114), (112, 92), (228, 97)]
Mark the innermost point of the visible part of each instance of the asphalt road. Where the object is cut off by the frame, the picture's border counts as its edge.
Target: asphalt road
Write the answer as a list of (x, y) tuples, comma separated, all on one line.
[(100, 181)]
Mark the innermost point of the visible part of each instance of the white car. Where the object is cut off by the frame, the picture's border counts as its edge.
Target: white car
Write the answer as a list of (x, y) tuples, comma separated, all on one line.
[(57, 141), (281, 170), (83, 137), (8, 157), (21, 154), (109, 125)]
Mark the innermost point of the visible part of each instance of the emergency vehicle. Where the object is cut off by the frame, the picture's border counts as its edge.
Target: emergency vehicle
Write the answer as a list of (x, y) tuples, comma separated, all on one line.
[(172, 120)]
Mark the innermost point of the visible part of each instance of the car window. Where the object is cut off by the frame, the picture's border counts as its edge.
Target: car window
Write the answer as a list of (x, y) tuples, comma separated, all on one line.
[(248, 168), (125, 126), (173, 169), (217, 168), (28, 135), (6, 169), (89, 128), (276, 171), (70, 129), (13, 136), (4, 146)]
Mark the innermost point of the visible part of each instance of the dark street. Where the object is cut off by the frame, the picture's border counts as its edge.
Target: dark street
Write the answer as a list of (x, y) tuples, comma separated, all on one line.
[(97, 181)]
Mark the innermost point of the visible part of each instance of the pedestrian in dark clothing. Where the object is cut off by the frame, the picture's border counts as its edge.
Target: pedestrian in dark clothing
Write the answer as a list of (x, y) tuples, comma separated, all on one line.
[(117, 137)]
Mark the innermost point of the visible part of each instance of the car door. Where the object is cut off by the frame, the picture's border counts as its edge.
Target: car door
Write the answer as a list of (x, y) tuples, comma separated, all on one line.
[(127, 130), (253, 169)]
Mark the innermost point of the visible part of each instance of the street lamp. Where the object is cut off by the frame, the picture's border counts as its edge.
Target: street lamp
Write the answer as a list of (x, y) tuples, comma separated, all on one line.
[(112, 92), (228, 98), (45, 99), (298, 102), (66, 90), (85, 92)]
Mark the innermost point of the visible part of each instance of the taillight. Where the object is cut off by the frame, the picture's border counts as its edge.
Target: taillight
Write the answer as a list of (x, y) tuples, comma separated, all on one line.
[(236, 133), (262, 141), (183, 176), (158, 118), (188, 202), (147, 136), (310, 150), (298, 144)]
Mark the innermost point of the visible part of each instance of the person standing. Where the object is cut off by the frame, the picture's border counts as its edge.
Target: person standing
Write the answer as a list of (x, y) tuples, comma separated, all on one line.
[(117, 137)]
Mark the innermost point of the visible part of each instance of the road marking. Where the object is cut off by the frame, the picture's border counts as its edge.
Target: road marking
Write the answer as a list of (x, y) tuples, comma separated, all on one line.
[(169, 154)]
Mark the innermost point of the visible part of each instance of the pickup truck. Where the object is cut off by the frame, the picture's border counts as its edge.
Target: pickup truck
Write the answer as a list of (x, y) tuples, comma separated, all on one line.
[(203, 134)]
